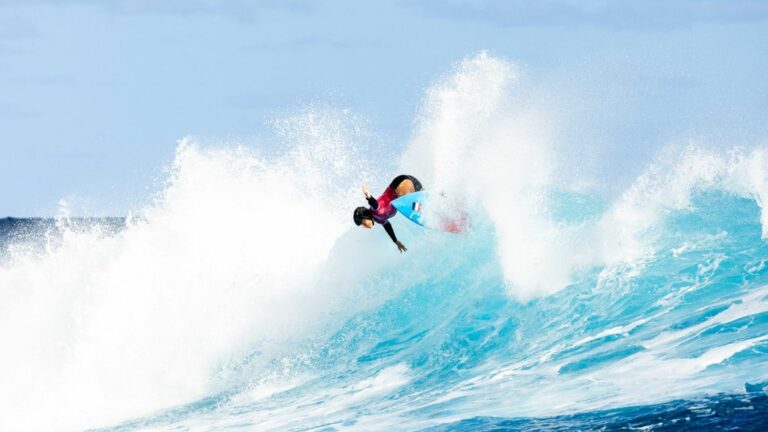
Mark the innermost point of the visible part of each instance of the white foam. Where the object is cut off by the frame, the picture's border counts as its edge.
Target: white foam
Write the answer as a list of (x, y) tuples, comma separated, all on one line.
[(751, 304), (100, 329), (479, 137), (618, 330), (482, 136), (627, 232)]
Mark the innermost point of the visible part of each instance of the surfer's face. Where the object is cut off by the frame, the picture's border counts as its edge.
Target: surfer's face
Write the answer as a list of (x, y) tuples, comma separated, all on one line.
[(367, 223)]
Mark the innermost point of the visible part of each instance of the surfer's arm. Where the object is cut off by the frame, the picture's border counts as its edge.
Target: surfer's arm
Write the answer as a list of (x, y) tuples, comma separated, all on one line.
[(371, 200), (391, 232)]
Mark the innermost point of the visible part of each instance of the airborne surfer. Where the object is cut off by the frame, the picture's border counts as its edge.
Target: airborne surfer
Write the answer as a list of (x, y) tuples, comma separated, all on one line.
[(381, 209)]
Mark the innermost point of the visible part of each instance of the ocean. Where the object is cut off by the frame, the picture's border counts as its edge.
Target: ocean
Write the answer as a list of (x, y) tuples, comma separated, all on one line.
[(242, 297)]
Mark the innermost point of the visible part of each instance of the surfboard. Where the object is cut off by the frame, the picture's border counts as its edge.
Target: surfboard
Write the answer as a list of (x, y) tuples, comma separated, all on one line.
[(436, 213)]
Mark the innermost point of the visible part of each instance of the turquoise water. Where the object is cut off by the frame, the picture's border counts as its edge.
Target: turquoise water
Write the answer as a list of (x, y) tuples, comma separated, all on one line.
[(446, 347), (453, 349)]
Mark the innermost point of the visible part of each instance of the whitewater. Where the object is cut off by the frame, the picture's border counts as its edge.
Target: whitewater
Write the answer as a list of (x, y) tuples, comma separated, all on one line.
[(244, 298)]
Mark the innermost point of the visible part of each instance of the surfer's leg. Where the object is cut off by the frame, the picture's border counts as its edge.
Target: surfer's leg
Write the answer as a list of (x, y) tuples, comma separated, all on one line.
[(405, 184), (405, 187)]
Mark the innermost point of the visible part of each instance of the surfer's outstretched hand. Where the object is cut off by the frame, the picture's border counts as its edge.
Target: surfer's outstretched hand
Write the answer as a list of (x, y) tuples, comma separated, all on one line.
[(401, 247), (366, 192)]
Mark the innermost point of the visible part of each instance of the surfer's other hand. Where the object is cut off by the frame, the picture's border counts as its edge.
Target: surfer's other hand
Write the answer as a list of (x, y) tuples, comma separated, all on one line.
[(366, 192), (401, 247)]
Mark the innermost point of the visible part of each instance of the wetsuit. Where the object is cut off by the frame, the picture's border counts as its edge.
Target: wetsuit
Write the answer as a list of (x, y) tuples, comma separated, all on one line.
[(382, 208)]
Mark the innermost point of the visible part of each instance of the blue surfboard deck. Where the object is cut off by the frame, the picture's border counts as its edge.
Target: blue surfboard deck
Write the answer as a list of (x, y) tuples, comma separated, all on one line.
[(412, 205)]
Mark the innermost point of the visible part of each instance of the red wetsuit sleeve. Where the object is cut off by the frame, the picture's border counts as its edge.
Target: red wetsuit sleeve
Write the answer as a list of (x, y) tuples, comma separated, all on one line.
[(390, 231)]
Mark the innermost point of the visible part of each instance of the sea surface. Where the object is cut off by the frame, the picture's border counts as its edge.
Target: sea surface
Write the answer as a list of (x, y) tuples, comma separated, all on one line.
[(243, 298)]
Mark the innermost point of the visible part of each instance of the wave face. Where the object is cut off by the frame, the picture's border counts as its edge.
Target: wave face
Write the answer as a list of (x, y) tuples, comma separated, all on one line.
[(242, 298)]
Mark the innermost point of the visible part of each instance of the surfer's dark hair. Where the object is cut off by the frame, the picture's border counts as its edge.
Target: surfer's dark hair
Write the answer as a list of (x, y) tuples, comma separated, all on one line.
[(360, 214)]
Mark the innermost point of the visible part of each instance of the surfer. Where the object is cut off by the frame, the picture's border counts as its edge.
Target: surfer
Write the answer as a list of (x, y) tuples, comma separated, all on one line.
[(381, 209)]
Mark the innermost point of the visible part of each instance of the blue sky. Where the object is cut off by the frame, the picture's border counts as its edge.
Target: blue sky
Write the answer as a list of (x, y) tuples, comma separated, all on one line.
[(95, 94)]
